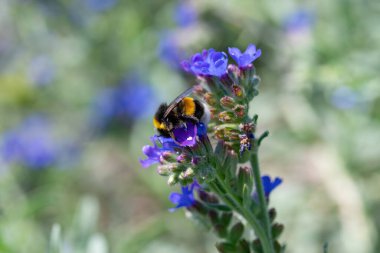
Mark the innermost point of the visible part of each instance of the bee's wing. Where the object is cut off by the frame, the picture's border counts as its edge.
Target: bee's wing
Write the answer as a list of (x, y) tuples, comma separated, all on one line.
[(178, 99)]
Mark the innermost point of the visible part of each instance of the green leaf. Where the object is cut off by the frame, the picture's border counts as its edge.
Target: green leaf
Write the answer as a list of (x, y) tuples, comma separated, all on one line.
[(277, 229), (226, 218), (225, 247), (236, 232), (219, 207)]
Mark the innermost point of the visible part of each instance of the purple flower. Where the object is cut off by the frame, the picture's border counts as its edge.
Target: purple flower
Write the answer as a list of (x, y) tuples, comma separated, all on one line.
[(207, 63), (244, 59), (41, 70), (186, 135), (30, 144), (184, 199), (169, 51), (299, 21), (185, 14), (160, 145), (270, 185), (344, 98), (121, 105), (100, 5)]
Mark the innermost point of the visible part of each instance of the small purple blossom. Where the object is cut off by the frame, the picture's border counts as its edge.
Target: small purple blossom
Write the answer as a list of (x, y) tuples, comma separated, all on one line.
[(184, 199), (120, 105), (186, 135), (41, 70), (169, 51), (184, 14), (31, 144), (154, 153), (244, 59), (207, 63), (299, 21), (100, 5), (344, 98), (270, 185)]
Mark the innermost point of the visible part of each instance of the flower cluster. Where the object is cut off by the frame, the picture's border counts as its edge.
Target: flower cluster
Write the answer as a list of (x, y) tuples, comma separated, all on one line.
[(205, 155)]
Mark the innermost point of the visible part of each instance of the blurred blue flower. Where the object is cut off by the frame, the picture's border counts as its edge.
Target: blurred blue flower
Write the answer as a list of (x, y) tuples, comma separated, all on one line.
[(184, 199), (298, 21), (184, 14), (244, 59), (100, 5), (30, 144), (168, 50), (153, 153), (208, 63), (270, 185), (130, 100), (41, 70), (344, 98)]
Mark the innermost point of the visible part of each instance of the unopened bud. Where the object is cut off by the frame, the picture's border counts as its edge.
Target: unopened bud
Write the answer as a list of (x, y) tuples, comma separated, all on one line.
[(209, 98), (208, 197), (240, 111), (236, 232), (277, 230), (164, 170), (172, 180), (227, 102), (219, 133), (245, 177), (272, 214), (233, 69), (226, 117), (237, 90), (167, 156), (199, 90), (247, 127), (213, 112)]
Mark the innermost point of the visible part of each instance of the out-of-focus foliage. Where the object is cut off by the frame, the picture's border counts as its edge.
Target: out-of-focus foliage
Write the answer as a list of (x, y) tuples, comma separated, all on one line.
[(80, 80)]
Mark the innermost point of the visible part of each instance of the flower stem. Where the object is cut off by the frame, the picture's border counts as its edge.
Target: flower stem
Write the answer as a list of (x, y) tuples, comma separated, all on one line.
[(227, 195), (261, 196)]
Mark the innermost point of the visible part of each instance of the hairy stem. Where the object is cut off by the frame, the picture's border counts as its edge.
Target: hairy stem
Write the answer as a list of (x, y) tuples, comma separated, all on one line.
[(261, 196), (225, 192)]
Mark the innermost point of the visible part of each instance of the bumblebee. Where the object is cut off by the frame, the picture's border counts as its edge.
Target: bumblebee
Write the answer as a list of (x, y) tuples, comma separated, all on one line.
[(181, 110)]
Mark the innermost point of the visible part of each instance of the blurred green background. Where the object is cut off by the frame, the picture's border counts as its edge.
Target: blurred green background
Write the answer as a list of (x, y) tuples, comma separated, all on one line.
[(80, 81)]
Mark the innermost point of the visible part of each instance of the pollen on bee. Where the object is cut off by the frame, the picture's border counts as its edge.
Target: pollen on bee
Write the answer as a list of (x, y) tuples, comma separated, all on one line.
[(158, 125), (189, 106)]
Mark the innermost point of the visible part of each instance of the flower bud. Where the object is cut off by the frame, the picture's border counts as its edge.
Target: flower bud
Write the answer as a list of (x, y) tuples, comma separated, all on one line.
[(277, 229), (209, 98), (236, 232), (182, 158), (227, 102), (172, 180), (165, 170), (245, 178), (167, 156), (240, 111), (272, 214), (208, 197), (213, 112), (219, 133), (226, 117), (238, 91), (247, 127), (199, 90), (234, 70), (231, 134)]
